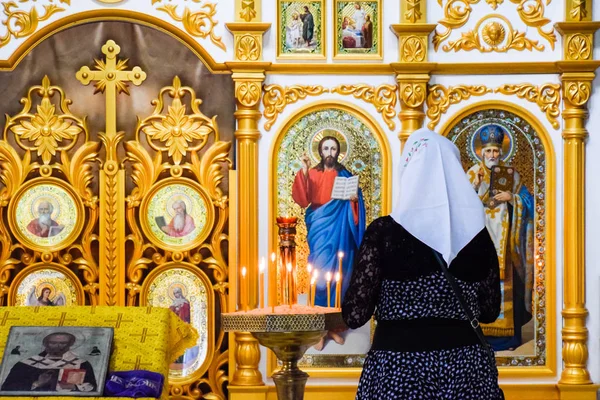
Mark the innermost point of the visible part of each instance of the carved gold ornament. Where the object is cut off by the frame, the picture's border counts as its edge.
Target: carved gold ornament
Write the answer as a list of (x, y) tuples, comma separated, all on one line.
[(413, 10), (248, 48), (46, 129), (248, 12), (546, 96), (494, 3), (577, 93), (276, 98), (199, 23), (64, 175), (413, 49), (383, 97), (20, 23), (440, 98), (578, 11), (412, 93), (579, 47), (175, 130), (458, 12), (493, 33)]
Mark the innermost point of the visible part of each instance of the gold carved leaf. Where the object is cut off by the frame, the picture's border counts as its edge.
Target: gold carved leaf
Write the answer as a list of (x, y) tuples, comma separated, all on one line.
[(383, 97), (145, 170), (413, 12), (413, 49), (248, 12), (200, 23), (78, 170), (20, 23), (276, 98), (546, 96), (577, 93), (440, 98), (209, 169), (49, 131), (13, 170), (248, 48), (412, 94), (579, 47), (176, 131), (247, 93)]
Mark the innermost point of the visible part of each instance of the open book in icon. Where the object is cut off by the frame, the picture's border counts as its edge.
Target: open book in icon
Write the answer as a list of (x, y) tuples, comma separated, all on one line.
[(345, 188)]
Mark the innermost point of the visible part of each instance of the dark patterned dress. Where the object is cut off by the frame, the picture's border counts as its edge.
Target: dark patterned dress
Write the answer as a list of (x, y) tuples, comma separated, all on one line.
[(424, 347)]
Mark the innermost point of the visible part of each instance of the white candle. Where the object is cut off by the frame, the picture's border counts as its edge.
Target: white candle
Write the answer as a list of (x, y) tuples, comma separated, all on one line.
[(243, 291), (261, 282)]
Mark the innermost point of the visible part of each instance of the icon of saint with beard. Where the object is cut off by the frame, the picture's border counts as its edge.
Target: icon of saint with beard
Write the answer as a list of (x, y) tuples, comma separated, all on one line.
[(44, 226), (181, 224)]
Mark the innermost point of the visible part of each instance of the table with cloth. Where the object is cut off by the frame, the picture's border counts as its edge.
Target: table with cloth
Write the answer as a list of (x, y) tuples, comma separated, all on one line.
[(145, 338)]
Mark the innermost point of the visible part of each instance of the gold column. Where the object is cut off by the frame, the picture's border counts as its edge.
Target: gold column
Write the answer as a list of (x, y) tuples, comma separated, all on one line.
[(412, 72), (248, 75), (577, 76)]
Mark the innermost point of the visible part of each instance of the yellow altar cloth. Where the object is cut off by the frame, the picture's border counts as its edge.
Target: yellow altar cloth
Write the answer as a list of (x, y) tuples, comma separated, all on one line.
[(144, 337)]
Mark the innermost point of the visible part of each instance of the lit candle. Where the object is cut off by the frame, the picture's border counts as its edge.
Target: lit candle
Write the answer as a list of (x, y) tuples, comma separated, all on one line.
[(261, 282), (338, 291), (272, 286), (314, 286), (340, 257), (288, 277), (328, 278), (309, 297), (243, 290)]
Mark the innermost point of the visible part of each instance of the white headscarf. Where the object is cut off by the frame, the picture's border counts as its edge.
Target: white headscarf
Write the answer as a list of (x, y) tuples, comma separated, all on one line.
[(437, 203)]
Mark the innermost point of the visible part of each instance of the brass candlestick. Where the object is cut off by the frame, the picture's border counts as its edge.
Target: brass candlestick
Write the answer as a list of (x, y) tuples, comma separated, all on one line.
[(287, 255)]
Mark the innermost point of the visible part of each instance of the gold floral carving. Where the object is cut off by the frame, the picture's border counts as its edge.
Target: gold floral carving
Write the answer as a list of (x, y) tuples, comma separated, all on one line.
[(247, 92), (277, 97), (494, 3), (248, 48), (457, 13), (383, 97), (20, 23), (440, 98), (546, 96), (49, 135), (413, 10), (199, 23), (413, 93), (578, 11), (175, 130), (47, 130), (579, 47), (248, 12), (413, 49), (494, 34), (577, 93)]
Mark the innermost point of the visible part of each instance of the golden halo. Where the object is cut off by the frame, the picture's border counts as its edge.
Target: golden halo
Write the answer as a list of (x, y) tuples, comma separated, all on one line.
[(493, 33), (314, 144), (175, 285), (40, 288), (55, 204), (176, 197)]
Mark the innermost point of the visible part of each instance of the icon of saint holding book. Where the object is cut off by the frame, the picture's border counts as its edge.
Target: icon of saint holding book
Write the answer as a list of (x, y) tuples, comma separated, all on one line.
[(181, 224), (335, 213), (509, 219)]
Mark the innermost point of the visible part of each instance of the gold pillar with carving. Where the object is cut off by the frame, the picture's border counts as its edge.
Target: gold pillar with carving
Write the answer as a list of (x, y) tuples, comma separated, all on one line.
[(412, 70), (578, 73), (248, 74)]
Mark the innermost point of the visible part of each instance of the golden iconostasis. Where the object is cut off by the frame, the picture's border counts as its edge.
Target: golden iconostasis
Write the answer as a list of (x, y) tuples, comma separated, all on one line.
[(148, 149)]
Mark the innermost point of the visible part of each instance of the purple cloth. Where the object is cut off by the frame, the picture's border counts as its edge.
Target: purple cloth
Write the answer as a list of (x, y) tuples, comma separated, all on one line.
[(138, 383)]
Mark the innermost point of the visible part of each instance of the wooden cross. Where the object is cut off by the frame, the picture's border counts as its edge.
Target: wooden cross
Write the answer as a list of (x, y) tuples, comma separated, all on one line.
[(138, 362), (63, 318), (5, 318), (119, 320), (145, 334)]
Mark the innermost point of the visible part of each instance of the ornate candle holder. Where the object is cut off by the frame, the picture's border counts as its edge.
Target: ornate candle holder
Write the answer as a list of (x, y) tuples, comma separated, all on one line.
[(288, 335)]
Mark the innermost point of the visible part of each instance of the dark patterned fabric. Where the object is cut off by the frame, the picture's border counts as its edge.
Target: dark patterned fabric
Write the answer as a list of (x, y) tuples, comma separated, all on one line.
[(397, 278)]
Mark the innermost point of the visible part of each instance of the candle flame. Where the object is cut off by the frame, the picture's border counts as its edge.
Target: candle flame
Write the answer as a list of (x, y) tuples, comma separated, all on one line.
[(261, 266), (328, 276), (244, 271), (340, 254), (309, 268), (289, 266), (337, 277), (316, 273), (313, 280), (273, 256)]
